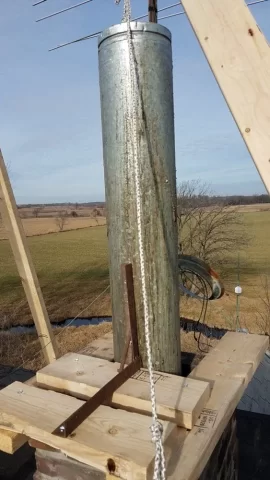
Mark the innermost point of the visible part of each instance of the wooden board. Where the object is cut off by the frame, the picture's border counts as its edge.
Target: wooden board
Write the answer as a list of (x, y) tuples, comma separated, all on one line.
[(236, 356), (239, 57), (108, 433), (101, 347), (25, 266), (10, 442), (178, 399), (125, 437), (229, 367)]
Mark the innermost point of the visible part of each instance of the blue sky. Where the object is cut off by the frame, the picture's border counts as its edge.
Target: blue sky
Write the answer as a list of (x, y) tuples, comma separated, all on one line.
[(50, 130)]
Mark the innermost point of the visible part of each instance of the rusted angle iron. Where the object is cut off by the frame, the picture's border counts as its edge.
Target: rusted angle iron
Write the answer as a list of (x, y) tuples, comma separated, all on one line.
[(104, 395)]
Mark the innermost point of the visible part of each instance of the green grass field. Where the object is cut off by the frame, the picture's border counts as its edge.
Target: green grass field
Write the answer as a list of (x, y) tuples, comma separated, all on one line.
[(73, 269), (255, 259)]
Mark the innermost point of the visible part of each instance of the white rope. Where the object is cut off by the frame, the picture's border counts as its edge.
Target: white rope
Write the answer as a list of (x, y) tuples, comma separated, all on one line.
[(132, 149)]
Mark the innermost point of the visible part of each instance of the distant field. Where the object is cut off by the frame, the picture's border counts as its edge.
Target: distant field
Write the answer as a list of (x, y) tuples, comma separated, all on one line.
[(256, 207), (43, 226), (42, 221), (73, 269)]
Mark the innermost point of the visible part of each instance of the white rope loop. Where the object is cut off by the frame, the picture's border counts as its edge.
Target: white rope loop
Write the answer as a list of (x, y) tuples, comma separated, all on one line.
[(156, 428)]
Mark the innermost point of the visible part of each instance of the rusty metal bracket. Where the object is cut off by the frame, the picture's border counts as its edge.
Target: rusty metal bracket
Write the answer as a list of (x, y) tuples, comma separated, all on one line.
[(130, 315), (104, 395)]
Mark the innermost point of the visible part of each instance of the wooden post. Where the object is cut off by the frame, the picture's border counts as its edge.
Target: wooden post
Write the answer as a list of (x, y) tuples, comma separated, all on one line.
[(25, 265), (152, 11), (239, 56)]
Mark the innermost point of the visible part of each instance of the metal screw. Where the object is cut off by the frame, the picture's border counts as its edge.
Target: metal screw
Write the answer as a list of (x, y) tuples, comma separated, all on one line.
[(62, 429), (20, 392)]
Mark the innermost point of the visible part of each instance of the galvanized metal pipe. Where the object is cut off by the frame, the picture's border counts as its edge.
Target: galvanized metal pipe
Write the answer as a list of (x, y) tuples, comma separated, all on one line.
[(152, 47)]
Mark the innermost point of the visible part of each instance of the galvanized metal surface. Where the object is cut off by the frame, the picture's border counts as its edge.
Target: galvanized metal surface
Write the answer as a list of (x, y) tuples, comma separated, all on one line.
[(152, 47)]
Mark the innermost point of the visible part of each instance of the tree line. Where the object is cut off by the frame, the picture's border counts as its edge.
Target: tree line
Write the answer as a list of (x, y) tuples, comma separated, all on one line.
[(203, 198)]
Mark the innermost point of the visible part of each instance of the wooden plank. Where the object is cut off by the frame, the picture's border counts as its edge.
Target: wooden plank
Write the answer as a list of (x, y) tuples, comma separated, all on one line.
[(186, 454), (179, 399), (109, 433), (10, 442), (233, 363), (101, 347), (192, 456), (25, 266), (237, 355), (41, 446), (239, 57)]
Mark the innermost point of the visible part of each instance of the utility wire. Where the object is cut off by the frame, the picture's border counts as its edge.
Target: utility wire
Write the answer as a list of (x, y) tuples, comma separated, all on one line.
[(257, 1), (96, 34), (172, 15), (38, 3), (92, 35), (64, 10), (87, 37), (170, 6)]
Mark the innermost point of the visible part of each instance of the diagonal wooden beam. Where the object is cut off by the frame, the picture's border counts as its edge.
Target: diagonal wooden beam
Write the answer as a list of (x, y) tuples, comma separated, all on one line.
[(25, 265), (239, 57)]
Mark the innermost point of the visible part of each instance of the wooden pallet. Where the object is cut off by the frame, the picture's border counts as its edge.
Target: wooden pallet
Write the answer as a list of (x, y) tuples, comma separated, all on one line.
[(120, 438), (121, 434), (179, 400)]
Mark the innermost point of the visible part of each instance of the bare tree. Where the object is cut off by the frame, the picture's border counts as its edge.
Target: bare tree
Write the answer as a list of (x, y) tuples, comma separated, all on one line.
[(61, 220), (96, 213), (36, 211), (206, 230)]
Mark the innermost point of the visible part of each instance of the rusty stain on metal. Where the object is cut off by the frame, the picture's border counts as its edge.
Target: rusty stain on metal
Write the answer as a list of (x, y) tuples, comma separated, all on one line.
[(250, 32)]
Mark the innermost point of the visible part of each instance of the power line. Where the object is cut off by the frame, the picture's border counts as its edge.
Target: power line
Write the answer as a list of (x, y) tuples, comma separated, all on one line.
[(172, 15), (38, 3), (170, 6), (257, 1), (64, 10), (93, 35)]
